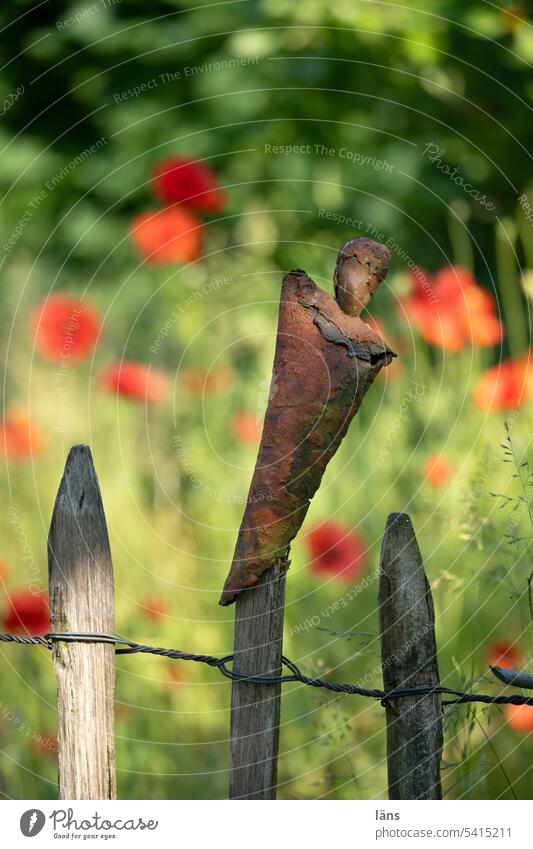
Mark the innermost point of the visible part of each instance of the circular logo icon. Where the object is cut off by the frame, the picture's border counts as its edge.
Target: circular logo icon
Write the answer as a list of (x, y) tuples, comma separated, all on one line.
[(32, 822)]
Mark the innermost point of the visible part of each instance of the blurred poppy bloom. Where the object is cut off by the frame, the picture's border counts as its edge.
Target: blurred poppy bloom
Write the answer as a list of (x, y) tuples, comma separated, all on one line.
[(136, 381), (336, 551), (451, 310), (506, 386), (20, 438), (167, 235), (519, 717), (246, 427), (27, 613), (200, 383), (180, 179), (174, 677), (437, 470), (503, 653), (65, 328), (45, 744), (153, 607)]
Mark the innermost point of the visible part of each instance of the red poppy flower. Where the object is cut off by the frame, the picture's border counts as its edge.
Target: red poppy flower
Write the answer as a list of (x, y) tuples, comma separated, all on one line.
[(200, 383), (27, 613), (20, 438), (506, 386), (451, 310), (153, 607), (437, 470), (519, 717), (65, 328), (246, 427), (136, 381), (167, 235), (503, 653), (180, 179), (336, 551)]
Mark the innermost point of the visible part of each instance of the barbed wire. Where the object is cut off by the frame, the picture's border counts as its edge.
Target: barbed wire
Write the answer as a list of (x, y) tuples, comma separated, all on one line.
[(126, 646)]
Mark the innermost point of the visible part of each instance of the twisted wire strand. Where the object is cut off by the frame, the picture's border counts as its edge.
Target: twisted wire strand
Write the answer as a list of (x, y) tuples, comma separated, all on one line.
[(125, 646)]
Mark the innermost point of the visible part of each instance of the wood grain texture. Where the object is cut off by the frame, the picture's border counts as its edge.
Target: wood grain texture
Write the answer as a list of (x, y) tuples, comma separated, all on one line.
[(409, 659), (82, 599), (255, 708)]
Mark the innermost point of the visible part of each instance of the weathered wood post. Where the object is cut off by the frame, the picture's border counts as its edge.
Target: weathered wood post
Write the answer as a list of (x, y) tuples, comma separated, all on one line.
[(82, 600), (409, 659), (325, 361), (255, 708)]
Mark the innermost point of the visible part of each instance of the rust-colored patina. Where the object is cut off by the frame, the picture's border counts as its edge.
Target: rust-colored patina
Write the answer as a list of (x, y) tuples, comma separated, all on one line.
[(324, 363)]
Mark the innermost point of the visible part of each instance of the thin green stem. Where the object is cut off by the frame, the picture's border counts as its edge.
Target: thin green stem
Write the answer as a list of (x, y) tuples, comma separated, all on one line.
[(510, 288), (462, 250)]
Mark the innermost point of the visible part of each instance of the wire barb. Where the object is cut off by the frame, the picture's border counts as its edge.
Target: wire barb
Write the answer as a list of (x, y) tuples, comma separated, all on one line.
[(126, 646)]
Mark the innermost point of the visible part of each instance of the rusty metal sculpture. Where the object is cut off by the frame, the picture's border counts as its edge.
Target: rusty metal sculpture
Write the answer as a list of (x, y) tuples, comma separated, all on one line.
[(325, 361)]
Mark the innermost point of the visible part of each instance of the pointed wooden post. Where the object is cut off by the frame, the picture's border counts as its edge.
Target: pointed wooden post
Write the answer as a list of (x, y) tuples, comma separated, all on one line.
[(82, 600), (409, 659)]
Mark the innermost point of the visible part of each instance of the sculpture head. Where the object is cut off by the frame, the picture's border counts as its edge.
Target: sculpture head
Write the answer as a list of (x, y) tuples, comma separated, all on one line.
[(361, 266)]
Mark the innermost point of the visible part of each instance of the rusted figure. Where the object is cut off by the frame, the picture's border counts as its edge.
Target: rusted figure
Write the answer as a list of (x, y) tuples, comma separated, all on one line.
[(325, 361), (361, 266)]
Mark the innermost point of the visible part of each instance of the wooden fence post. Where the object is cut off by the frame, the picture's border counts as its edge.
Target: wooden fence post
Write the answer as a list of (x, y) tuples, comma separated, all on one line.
[(409, 659), (82, 599), (255, 708)]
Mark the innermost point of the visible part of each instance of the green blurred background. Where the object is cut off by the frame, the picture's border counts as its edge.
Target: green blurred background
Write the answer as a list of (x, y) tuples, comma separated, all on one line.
[(375, 84)]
